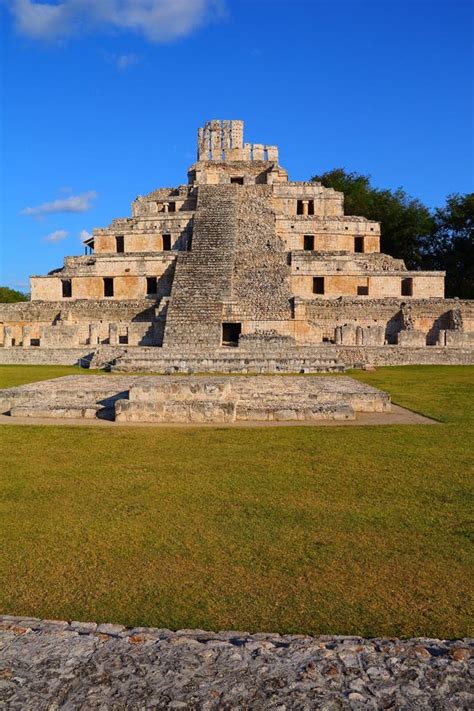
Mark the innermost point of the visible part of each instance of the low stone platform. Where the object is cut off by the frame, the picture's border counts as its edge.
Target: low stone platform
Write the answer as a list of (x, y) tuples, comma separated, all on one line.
[(222, 360), (195, 399), (76, 665)]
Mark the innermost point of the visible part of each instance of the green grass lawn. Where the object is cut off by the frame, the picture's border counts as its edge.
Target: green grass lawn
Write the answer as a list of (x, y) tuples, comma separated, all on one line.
[(361, 530)]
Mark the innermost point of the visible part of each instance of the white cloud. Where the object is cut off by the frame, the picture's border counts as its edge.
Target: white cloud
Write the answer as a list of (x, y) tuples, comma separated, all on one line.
[(126, 60), (56, 236), (74, 203), (84, 235), (156, 20), (121, 61)]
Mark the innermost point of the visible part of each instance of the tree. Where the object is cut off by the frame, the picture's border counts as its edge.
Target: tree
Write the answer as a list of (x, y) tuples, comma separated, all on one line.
[(451, 246), (406, 222), (10, 296)]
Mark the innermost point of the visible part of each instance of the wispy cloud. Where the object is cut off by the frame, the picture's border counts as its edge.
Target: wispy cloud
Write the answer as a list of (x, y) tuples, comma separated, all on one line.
[(74, 203), (156, 20), (56, 236), (121, 61), (84, 235)]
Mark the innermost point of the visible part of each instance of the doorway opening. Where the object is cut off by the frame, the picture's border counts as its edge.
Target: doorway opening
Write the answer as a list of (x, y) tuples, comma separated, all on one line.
[(231, 333)]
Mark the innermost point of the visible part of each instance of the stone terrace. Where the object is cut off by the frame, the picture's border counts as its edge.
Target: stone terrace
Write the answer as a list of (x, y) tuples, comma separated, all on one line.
[(76, 665), (198, 399)]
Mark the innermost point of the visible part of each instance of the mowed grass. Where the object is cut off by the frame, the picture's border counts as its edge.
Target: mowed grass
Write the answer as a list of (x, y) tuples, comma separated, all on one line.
[(361, 530), (13, 375)]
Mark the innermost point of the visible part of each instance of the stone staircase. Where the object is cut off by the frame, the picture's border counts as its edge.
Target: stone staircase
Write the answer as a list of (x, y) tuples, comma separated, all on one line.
[(228, 360), (203, 276)]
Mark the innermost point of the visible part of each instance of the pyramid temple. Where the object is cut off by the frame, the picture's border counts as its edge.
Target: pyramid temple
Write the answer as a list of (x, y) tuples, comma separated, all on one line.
[(240, 269)]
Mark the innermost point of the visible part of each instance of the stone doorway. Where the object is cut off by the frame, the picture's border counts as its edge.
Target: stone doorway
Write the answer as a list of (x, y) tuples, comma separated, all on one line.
[(231, 333)]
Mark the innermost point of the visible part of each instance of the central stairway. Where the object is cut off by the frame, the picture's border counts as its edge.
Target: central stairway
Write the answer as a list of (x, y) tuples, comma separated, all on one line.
[(203, 276)]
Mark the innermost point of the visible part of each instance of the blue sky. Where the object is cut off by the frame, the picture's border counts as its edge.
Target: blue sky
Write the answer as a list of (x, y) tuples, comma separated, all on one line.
[(101, 100)]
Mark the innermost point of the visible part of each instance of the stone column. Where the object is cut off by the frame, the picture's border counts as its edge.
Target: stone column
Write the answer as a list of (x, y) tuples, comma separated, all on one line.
[(305, 207), (247, 151), (441, 338), (338, 335), (93, 334), (359, 336), (26, 337), (113, 334), (166, 207), (216, 139), (272, 154), (7, 337)]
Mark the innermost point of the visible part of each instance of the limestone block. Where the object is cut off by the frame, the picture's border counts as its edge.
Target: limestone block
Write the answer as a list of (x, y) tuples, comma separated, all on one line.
[(7, 337), (372, 336), (61, 335), (409, 339), (113, 334), (94, 330), (258, 151), (457, 339), (26, 337), (272, 153), (348, 334), (247, 151), (237, 134)]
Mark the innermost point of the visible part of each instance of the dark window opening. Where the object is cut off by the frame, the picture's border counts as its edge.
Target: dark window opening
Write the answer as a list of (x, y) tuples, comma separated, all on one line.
[(34, 342), (318, 285), (119, 243), (166, 243), (309, 243), (172, 207), (108, 286), (151, 286), (67, 288), (362, 291), (123, 340), (311, 207), (237, 181), (299, 207), (407, 287), (231, 333), (358, 244)]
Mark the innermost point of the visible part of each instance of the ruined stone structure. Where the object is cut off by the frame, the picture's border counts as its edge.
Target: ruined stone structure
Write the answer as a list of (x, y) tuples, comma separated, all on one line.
[(194, 399), (240, 269)]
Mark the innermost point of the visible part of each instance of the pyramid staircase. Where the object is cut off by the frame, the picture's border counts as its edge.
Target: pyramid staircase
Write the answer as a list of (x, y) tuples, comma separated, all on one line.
[(203, 276)]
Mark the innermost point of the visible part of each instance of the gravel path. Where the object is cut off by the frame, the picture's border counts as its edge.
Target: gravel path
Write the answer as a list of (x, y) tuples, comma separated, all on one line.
[(61, 665)]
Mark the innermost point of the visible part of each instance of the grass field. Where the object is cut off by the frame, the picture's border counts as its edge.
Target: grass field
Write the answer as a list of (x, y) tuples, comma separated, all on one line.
[(323, 530)]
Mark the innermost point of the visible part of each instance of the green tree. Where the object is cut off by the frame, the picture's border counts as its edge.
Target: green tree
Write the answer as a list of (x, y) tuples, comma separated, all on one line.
[(406, 222), (451, 246), (10, 296)]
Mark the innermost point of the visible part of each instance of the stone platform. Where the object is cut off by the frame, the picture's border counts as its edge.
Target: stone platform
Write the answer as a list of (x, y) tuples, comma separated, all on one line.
[(76, 665), (195, 399)]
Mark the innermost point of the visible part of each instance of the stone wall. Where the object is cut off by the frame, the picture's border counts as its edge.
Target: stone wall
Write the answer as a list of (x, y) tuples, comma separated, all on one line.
[(429, 315)]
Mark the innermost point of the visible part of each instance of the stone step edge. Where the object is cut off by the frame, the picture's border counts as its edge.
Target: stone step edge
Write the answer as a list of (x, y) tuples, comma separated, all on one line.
[(462, 647)]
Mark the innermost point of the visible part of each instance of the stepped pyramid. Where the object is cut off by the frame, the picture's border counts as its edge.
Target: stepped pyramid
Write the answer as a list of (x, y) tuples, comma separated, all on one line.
[(238, 268)]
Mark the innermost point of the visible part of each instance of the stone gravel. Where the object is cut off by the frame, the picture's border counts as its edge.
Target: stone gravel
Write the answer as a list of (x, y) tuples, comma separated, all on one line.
[(78, 665)]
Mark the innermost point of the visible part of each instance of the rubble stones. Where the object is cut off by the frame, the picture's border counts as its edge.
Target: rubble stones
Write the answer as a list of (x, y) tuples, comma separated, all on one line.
[(84, 665)]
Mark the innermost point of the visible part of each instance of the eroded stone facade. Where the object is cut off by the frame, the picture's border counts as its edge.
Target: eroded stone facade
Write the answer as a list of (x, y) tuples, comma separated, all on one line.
[(236, 257)]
